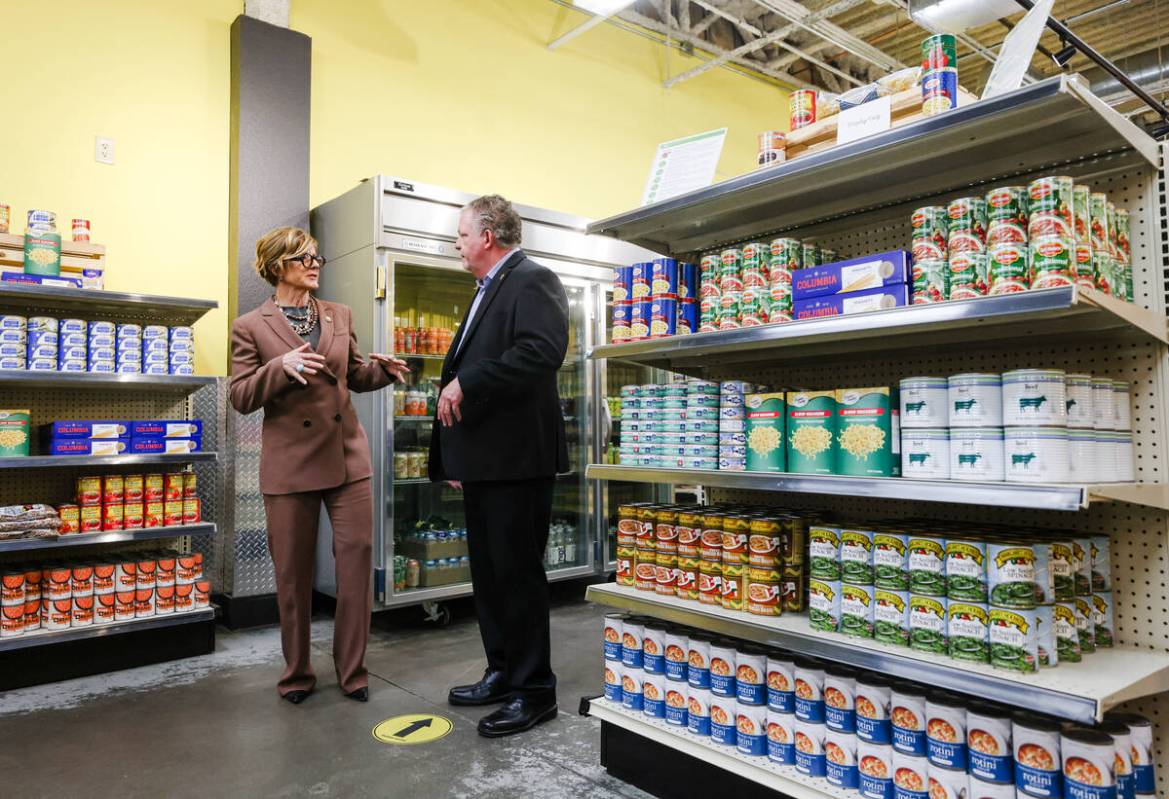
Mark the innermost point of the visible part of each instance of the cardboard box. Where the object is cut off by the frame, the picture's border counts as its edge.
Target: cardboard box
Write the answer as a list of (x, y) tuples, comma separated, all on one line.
[(166, 428), (87, 446), (86, 428), (860, 302), (165, 446), (41, 280), (854, 275), (433, 550), (429, 578)]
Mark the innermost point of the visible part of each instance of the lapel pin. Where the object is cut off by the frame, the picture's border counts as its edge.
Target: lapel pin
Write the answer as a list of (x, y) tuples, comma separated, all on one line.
[(328, 319)]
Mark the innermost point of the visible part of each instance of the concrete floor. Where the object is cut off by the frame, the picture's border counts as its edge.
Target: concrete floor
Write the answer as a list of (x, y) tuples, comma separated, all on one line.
[(214, 727)]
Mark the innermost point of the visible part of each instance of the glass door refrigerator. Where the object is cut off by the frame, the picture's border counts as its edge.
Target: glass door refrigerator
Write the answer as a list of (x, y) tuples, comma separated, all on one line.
[(390, 246)]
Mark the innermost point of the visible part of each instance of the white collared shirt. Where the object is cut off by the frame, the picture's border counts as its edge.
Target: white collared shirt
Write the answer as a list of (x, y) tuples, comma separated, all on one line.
[(483, 284)]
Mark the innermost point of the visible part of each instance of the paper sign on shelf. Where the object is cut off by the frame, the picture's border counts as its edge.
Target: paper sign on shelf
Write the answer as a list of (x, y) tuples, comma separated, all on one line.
[(864, 120), (1018, 48), (684, 165)]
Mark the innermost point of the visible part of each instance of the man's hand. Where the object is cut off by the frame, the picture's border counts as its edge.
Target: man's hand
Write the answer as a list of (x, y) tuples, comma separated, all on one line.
[(392, 365), (448, 403)]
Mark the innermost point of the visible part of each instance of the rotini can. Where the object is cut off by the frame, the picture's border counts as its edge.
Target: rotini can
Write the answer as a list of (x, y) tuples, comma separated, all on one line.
[(968, 275), (1052, 260)]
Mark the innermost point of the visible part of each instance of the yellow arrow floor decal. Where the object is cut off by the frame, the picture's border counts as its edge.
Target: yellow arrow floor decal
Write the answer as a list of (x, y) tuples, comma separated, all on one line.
[(412, 728)]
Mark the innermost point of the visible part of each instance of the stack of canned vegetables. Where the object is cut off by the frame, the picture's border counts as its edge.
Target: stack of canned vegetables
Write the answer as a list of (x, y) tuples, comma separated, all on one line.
[(1018, 601), (861, 731), (654, 299), (737, 558), (1050, 233)]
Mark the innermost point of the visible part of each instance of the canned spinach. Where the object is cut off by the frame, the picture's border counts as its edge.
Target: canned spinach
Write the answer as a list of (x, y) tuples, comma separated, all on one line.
[(824, 552), (1014, 639), (1063, 571), (824, 605), (927, 624), (966, 570), (890, 561), (856, 610), (891, 617), (968, 631), (927, 565), (1067, 638), (856, 556), (1011, 575)]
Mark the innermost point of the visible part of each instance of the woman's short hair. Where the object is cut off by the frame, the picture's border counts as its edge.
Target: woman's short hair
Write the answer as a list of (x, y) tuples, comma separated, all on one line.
[(278, 245)]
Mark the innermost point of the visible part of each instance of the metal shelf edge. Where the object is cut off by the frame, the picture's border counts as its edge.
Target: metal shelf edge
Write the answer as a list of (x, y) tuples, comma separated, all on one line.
[(67, 461), (97, 631), (783, 779), (1015, 495), (190, 307), (93, 539), (1046, 700), (12, 378)]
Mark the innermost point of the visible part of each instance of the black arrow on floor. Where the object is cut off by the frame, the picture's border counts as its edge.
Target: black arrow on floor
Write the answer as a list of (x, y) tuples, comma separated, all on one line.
[(405, 732)]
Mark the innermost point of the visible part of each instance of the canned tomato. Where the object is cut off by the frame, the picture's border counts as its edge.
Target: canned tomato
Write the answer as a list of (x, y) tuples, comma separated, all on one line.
[(723, 728), (931, 281), (1008, 268), (32, 615), (976, 454), (89, 490), (698, 711), (631, 688), (173, 487), (57, 614), (144, 603), (840, 759), (33, 583), (677, 655), (1054, 196), (1007, 203), (1089, 762), (874, 770), (113, 517), (113, 489), (153, 488), (677, 695), (873, 695), (103, 578), (57, 582), (975, 400), (910, 776), (967, 215), (653, 693), (12, 588), (968, 274), (840, 699), (613, 674), (931, 222), (1051, 262), (824, 605), (185, 600), (801, 108), (781, 737), (809, 748), (81, 581), (70, 519), (907, 718)]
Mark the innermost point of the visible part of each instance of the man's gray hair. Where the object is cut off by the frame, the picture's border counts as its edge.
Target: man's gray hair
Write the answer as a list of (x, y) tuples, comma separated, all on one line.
[(494, 213)]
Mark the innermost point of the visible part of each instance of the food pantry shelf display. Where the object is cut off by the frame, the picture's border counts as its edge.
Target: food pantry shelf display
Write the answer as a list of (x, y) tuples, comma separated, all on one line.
[(47, 344), (859, 730)]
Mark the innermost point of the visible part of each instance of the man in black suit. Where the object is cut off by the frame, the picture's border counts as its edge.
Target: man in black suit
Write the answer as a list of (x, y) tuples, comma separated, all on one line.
[(502, 441)]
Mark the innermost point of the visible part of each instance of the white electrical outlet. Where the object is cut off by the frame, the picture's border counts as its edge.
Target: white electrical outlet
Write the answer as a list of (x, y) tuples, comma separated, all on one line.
[(103, 150)]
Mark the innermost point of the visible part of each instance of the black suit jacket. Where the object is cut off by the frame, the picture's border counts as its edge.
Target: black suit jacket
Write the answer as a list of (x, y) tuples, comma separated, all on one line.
[(507, 363)]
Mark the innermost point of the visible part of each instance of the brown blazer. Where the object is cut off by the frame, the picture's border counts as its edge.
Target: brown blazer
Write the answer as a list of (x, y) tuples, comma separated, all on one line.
[(312, 439)]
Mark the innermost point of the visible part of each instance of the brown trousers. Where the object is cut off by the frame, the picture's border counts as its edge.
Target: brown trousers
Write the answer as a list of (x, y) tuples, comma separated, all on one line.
[(292, 540)]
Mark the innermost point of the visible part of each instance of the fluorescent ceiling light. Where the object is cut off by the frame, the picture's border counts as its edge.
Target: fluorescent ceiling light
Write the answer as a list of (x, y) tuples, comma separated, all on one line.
[(958, 16), (604, 8)]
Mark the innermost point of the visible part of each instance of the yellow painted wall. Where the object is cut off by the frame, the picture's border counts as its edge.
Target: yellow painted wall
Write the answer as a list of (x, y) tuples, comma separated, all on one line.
[(460, 93), (464, 94), (155, 76)]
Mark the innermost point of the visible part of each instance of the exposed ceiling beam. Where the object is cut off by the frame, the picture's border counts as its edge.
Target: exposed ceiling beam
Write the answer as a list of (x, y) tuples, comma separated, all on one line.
[(747, 27), (770, 38), (817, 22), (584, 27)]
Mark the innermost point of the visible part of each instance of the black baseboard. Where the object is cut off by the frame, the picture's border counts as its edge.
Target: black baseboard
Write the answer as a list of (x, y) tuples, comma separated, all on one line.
[(36, 665), (669, 774), (242, 612)]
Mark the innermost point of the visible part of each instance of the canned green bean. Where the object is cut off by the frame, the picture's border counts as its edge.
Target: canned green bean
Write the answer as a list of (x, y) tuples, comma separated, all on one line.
[(968, 631)]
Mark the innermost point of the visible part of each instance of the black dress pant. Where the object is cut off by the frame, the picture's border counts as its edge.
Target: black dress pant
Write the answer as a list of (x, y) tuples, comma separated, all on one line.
[(507, 531)]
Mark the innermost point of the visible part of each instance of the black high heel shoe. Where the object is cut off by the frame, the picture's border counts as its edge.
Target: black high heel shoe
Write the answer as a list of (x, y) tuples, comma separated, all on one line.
[(296, 697), (360, 695)]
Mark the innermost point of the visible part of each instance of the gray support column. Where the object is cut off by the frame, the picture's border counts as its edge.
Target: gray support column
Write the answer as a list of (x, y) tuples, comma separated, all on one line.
[(271, 80)]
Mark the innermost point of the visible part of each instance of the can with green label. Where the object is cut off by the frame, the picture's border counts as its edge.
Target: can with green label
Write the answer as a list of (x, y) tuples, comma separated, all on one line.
[(890, 560), (824, 552), (42, 244), (927, 565), (927, 624), (891, 617), (966, 570), (766, 448), (824, 605), (856, 556), (811, 431), (1067, 637), (868, 432), (1014, 639), (856, 610)]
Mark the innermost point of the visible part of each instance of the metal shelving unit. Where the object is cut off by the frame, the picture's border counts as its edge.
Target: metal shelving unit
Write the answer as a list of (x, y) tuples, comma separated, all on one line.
[(92, 304), (94, 539), (50, 637), (856, 199), (181, 384), (1080, 692), (1037, 496), (68, 461)]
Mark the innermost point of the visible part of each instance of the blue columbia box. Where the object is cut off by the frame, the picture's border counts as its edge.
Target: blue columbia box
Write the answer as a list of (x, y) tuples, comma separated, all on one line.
[(87, 446), (859, 302), (85, 428), (167, 428), (853, 275), (165, 446), (41, 280)]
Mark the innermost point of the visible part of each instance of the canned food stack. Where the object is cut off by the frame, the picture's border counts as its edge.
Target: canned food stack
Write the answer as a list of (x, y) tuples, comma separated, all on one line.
[(700, 431), (113, 503), (73, 342), (113, 587), (44, 349), (13, 342), (755, 301), (801, 105), (128, 349), (688, 305), (1111, 250), (641, 301), (732, 435), (1027, 425), (1015, 601), (44, 343), (966, 248), (181, 350), (730, 286), (786, 258), (663, 298), (939, 74), (1009, 260), (102, 344), (931, 269), (709, 293)]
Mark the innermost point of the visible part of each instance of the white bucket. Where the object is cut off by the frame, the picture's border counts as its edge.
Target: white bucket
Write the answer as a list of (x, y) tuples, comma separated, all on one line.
[(1035, 397), (1079, 400), (925, 454), (1036, 455), (924, 402), (975, 400), (976, 454)]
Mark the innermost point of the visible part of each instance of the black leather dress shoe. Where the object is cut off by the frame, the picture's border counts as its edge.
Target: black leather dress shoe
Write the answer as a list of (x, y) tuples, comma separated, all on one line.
[(521, 713), (360, 695), (491, 689), (296, 697)]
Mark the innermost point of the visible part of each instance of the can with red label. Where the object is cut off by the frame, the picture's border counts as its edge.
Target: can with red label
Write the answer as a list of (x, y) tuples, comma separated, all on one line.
[(113, 489), (90, 518), (154, 515), (202, 594), (625, 559), (113, 517), (192, 509), (33, 584), (56, 614), (58, 583), (12, 587), (710, 582), (147, 573), (173, 487), (89, 490), (104, 578), (135, 488), (70, 519), (135, 515), (153, 488), (104, 608), (198, 556), (124, 605), (666, 574), (164, 600), (184, 597), (81, 581), (11, 620), (801, 106), (82, 611), (645, 570), (32, 615), (144, 602), (126, 575), (81, 230), (172, 513), (186, 570)]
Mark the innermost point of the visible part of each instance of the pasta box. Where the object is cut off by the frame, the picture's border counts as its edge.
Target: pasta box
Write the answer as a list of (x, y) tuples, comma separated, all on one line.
[(86, 446), (41, 280), (166, 428), (165, 446), (86, 428), (856, 274), (878, 299)]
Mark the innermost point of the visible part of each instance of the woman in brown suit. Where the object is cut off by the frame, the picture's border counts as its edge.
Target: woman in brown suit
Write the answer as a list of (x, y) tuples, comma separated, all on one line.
[(296, 357)]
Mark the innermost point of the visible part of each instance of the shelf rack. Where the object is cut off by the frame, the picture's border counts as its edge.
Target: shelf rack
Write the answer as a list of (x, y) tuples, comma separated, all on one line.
[(51, 637), (1080, 692), (162, 384), (74, 540), (102, 304), (69, 461)]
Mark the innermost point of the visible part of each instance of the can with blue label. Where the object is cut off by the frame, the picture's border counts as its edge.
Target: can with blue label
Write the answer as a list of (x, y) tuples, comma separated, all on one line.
[(698, 711), (155, 346), (13, 362), (622, 322), (632, 640), (945, 736), (15, 350), (70, 365), (181, 345), (750, 674), (129, 368), (128, 356), (42, 352), (1038, 765), (154, 331), (631, 695), (677, 654), (781, 737), (151, 358), (810, 748), (873, 697), (13, 336), (723, 711), (639, 286), (751, 724), (654, 649), (72, 326), (13, 322), (840, 699), (614, 630), (809, 705), (101, 367), (613, 674), (73, 340), (102, 340), (181, 358), (104, 353), (664, 278), (840, 759), (181, 333), (157, 369), (72, 354), (126, 330), (698, 674), (42, 364), (653, 692), (688, 282), (663, 317), (622, 283), (98, 328), (38, 337), (988, 737), (723, 661), (908, 719), (875, 770), (781, 684), (639, 319), (911, 777), (687, 317), (677, 704)]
